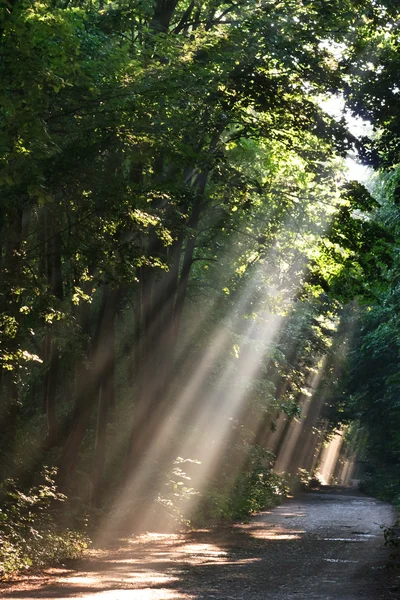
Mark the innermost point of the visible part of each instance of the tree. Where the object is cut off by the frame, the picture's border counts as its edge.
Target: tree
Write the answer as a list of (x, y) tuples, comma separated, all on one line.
[(150, 152)]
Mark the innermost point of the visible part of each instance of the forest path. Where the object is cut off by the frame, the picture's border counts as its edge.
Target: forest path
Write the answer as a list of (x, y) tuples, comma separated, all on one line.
[(326, 544)]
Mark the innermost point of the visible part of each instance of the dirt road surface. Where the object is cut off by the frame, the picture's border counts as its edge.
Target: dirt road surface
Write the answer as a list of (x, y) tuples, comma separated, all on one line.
[(325, 544)]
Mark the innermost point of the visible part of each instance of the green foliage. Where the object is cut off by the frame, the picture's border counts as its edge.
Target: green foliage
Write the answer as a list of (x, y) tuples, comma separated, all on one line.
[(174, 497), (382, 480), (156, 157), (305, 480), (259, 489), (29, 534), (364, 386), (234, 497), (391, 534)]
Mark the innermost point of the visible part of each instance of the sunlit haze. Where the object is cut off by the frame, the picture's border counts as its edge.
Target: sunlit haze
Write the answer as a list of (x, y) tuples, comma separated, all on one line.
[(199, 330)]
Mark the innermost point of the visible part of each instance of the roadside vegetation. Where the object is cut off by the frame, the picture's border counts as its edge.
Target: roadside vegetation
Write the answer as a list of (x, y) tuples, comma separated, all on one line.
[(188, 269)]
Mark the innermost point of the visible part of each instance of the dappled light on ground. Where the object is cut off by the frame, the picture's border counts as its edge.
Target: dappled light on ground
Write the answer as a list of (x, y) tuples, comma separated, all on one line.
[(310, 536), (260, 533), (188, 279), (145, 594)]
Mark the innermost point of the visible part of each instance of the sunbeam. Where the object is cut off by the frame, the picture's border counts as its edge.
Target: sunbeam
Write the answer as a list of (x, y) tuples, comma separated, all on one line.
[(204, 414)]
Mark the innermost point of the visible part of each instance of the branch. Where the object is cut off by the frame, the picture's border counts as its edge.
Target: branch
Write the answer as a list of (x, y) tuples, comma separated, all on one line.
[(184, 20), (207, 258)]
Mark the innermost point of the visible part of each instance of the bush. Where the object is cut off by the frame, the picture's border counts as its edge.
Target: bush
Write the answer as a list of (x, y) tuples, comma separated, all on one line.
[(392, 534), (262, 488), (171, 502), (383, 483), (29, 534), (255, 488)]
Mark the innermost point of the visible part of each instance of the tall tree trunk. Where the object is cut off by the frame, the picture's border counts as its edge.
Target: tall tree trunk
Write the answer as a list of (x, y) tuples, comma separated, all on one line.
[(106, 398), (188, 258), (53, 270), (10, 270), (162, 15), (162, 307), (101, 360), (8, 422)]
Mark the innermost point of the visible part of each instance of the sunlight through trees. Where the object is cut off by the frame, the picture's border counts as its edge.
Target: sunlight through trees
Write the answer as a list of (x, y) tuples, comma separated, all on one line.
[(197, 297)]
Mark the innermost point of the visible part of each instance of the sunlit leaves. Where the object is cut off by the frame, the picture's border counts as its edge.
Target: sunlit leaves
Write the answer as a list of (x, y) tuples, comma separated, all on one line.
[(149, 148)]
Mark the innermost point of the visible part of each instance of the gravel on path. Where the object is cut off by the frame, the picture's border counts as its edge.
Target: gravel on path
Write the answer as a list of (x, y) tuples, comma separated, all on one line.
[(326, 544)]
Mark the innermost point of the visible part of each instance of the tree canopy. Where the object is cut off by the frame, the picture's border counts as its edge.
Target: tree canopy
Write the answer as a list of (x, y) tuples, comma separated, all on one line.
[(180, 245)]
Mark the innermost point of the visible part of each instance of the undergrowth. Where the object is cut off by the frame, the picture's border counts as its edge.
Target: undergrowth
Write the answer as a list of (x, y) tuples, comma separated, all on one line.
[(383, 483), (30, 535), (178, 500), (235, 497)]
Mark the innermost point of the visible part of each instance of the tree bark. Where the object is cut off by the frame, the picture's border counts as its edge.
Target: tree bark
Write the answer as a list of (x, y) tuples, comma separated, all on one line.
[(162, 306), (53, 270), (106, 399), (9, 400), (101, 367), (162, 15)]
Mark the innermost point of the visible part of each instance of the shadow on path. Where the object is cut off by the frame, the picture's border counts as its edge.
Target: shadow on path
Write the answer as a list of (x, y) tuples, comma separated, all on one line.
[(327, 544)]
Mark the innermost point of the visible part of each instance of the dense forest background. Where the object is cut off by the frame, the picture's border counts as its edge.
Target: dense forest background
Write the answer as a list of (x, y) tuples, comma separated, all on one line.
[(186, 265)]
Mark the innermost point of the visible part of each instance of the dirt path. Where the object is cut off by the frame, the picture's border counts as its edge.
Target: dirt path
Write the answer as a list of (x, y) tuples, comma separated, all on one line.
[(325, 545)]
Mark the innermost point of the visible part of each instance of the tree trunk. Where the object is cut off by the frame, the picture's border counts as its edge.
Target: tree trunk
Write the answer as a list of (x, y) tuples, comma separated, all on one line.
[(162, 307), (162, 15), (53, 270), (10, 269), (106, 398), (188, 259), (101, 366)]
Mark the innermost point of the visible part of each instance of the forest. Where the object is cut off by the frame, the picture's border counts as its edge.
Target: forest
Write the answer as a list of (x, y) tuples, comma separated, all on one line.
[(199, 291)]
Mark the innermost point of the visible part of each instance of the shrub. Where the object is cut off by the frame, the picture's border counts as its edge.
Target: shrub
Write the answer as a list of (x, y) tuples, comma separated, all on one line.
[(29, 533), (254, 488), (262, 488), (392, 534), (383, 483)]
